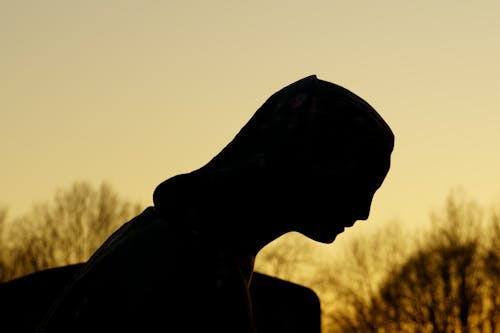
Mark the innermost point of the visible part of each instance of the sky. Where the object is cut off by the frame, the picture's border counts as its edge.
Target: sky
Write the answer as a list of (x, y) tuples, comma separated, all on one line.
[(134, 92)]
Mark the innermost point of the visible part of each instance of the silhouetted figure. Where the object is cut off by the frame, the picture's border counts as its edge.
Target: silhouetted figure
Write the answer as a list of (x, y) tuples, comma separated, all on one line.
[(277, 305), (309, 160), (25, 300), (280, 306)]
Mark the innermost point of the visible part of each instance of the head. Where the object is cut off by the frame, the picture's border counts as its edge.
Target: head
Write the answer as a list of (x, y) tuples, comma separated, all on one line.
[(309, 160)]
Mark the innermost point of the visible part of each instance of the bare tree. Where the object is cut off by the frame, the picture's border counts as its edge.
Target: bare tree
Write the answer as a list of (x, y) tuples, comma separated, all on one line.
[(290, 258), (445, 281), (346, 282), (349, 283), (448, 280), (67, 230), (295, 258), (492, 266), (4, 264), (449, 284), (438, 290), (3, 219)]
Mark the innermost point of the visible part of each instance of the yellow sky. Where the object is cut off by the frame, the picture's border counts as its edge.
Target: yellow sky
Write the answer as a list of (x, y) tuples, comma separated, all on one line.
[(133, 92)]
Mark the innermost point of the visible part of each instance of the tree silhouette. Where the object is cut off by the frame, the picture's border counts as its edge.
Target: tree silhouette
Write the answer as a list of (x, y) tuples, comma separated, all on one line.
[(4, 263), (345, 283), (64, 231), (448, 284), (348, 284), (287, 258), (446, 281), (437, 290)]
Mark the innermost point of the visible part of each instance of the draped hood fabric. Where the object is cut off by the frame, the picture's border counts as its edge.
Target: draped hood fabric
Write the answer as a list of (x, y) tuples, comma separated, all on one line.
[(294, 126)]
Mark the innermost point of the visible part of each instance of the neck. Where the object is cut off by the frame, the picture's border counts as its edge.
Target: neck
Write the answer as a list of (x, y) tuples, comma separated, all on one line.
[(250, 235), (241, 222)]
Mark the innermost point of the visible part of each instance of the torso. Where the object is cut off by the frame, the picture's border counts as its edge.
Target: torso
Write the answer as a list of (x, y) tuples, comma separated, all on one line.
[(154, 274)]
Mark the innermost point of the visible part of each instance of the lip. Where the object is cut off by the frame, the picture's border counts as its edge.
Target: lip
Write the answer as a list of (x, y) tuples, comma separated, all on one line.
[(349, 224)]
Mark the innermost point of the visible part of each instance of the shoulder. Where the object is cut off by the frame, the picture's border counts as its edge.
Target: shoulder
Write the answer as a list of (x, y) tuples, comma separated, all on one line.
[(148, 271)]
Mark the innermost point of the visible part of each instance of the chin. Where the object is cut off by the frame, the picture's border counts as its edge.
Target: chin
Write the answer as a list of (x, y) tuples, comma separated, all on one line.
[(323, 237)]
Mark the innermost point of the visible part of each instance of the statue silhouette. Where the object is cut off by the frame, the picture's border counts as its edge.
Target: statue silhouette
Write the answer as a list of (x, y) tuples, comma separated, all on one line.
[(309, 160), (277, 305)]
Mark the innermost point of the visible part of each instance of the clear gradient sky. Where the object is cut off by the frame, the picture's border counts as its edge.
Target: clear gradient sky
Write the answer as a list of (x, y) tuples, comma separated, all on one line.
[(133, 92)]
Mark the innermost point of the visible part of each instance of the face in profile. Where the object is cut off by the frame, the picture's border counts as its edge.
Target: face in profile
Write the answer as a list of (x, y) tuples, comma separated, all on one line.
[(330, 199)]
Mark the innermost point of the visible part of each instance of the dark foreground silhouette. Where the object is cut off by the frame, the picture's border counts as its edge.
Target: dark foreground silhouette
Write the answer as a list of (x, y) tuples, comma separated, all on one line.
[(309, 160), (278, 305)]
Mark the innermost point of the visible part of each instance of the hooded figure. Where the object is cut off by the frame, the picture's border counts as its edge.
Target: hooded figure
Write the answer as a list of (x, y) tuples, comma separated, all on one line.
[(309, 160)]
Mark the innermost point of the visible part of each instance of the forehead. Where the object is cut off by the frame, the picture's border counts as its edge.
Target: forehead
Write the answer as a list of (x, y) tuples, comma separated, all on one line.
[(361, 166), (374, 170), (332, 148)]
